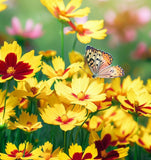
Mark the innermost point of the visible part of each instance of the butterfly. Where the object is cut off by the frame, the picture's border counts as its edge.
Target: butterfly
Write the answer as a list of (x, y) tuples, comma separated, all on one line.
[(100, 62)]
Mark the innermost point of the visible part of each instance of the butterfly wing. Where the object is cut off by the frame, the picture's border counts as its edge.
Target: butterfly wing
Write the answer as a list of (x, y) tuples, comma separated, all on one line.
[(97, 59), (111, 72)]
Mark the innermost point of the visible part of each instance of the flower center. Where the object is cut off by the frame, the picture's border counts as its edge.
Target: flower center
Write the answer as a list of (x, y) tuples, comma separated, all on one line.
[(64, 118), (10, 70), (34, 90), (29, 124), (80, 28), (81, 95), (63, 13), (19, 155), (60, 72), (103, 153)]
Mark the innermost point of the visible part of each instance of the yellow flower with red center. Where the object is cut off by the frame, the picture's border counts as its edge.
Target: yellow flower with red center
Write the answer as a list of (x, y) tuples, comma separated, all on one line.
[(62, 12), (88, 30), (48, 153), (26, 122), (143, 140), (24, 151), (83, 91), (120, 88), (136, 102), (125, 132), (11, 103), (102, 144), (58, 71), (76, 153), (95, 124), (12, 65), (32, 88), (67, 119), (3, 6)]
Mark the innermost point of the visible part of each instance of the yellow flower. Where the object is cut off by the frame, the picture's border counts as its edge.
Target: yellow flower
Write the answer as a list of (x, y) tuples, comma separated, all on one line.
[(11, 103), (24, 151), (48, 53), (26, 122), (88, 30), (48, 153), (2, 5), (139, 103), (82, 91), (95, 124), (76, 152), (62, 12), (143, 140), (102, 144), (67, 119), (75, 56), (32, 88), (117, 87), (59, 71), (126, 131), (12, 65)]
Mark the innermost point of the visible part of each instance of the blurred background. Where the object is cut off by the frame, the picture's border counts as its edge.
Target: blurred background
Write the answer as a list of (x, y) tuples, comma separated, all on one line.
[(128, 23)]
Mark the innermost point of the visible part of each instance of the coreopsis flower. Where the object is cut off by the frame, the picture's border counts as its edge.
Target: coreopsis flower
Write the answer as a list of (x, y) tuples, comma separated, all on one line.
[(94, 124), (3, 6), (75, 56), (125, 132), (76, 153), (48, 53), (83, 91), (48, 153), (11, 103), (26, 122), (138, 103), (102, 144), (62, 12), (58, 71), (30, 31), (32, 88), (124, 24), (23, 152), (13, 65), (120, 88), (87, 30), (143, 140), (67, 119)]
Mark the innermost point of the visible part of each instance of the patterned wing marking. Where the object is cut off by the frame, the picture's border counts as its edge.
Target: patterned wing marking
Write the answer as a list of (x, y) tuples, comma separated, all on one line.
[(111, 72), (93, 58)]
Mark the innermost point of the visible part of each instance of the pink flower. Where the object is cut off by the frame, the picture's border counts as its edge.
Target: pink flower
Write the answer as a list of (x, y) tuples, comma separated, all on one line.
[(144, 15), (123, 25), (30, 31), (141, 52)]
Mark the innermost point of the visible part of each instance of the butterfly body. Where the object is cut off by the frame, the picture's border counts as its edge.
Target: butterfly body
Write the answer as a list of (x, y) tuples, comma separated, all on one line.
[(100, 64)]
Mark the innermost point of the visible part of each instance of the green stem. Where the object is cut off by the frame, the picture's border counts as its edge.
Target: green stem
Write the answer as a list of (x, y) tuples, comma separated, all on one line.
[(7, 86), (136, 147), (76, 137), (62, 41), (89, 116), (65, 141), (74, 43)]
